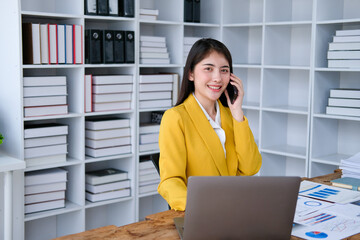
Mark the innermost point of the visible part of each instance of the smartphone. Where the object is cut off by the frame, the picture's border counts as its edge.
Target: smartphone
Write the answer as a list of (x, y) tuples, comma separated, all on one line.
[(233, 92)]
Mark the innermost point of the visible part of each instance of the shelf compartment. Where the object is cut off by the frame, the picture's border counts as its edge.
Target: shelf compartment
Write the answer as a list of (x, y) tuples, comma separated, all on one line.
[(285, 10), (202, 32), (319, 169), (253, 117), (151, 204), (244, 43), (53, 6), (168, 10), (286, 89), (326, 80), (337, 9), (250, 78), (285, 133), (288, 45), (243, 11), (331, 159), (276, 165)]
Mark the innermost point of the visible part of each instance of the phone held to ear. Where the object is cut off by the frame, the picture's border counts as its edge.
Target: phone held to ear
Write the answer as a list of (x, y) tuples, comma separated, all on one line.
[(233, 92)]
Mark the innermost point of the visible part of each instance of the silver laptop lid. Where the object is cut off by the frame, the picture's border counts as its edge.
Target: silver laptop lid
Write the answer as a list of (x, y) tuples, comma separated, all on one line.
[(243, 207)]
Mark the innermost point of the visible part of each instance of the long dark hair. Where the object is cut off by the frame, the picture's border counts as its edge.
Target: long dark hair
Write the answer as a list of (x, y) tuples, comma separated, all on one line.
[(200, 50)]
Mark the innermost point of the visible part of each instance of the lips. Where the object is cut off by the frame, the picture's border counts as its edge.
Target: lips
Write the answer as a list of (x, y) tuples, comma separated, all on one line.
[(214, 87)]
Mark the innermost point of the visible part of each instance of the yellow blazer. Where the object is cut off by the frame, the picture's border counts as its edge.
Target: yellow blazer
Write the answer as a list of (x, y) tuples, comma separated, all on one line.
[(189, 146)]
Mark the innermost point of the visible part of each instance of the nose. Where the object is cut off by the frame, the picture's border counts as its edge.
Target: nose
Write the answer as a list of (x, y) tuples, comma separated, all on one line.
[(216, 76)]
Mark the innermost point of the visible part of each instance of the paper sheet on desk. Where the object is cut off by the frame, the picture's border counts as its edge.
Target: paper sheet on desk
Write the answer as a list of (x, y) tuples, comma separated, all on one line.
[(328, 193), (307, 205)]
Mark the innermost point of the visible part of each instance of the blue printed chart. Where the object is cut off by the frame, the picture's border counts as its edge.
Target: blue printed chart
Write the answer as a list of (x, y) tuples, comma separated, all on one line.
[(307, 205)]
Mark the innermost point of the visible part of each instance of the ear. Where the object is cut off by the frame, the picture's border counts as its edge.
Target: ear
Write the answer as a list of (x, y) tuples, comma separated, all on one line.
[(191, 76)]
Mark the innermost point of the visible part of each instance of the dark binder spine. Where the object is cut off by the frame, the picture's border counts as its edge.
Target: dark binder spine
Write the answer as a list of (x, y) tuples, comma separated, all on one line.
[(126, 8), (108, 46), (188, 10), (93, 46), (119, 47), (113, 7), (129, 47), (196, 11), (90, 7), (102, 7)]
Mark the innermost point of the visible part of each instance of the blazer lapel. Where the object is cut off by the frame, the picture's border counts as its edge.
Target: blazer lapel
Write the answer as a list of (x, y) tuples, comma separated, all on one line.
[(207, 133)]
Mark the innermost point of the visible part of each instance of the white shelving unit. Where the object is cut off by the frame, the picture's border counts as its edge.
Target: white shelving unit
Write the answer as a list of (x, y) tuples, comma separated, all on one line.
[(279, 50)]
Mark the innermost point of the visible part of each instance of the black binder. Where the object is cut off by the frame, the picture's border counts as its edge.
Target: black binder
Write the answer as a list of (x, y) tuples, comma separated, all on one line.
[(126, 8), (188, 10), (119, 47), (196, 11), (102, 7), (108, 46), (93, 46), (129, 47), (90, 7)]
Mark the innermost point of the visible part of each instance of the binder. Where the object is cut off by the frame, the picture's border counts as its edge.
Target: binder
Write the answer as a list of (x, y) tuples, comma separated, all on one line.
[(77, 44), (31, 43), (126, 8), (90, 7), (129, 47), (119, 47), (196, 11), (44, 43), (102, 7), (69, 44), (61, 35), (93, 46), (113, 7), (53, 45), (108, 46), (188, 10)]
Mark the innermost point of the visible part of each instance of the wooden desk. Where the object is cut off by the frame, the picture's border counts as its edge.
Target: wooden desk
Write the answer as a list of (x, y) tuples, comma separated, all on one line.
[(160, 226)]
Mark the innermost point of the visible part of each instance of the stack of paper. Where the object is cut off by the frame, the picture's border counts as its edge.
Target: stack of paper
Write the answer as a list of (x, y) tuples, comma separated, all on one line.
[(351, 166), (188, 43), (153, 50), (149, 137), (45, 190), (106, 184), (344, 51), (149, 178), (149, 14), (344, 102)]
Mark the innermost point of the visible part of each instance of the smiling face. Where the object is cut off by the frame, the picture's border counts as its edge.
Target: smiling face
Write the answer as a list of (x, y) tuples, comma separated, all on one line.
[(210, 77)]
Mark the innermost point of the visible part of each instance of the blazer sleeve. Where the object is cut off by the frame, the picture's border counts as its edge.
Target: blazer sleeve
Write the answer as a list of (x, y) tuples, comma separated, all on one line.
[(172, 161)]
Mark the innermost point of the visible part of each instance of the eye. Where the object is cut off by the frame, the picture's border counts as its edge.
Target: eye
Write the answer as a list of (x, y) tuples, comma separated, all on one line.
[(224, 70), (207, 68)]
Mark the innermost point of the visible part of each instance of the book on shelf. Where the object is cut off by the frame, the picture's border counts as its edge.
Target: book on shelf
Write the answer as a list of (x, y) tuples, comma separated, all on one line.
[(43, 151), (108, 151), (53, 47), (146, 164), (37, 161), (149, 138), (44, 197), (44, 130), (345, 93), (44, 141), (95, 197), (77, 44), (106, 175), (148, 188), (156, 78), (149, 147), (112, 79), (45, 101), (45, 187), (155, 103), (344, 102), (343, 55), (107, 133), (88, 93), (38, 111), (44, 43), (107, 186), (112, 88), (148, 11), (146, 171), (111, 106), (144, 38), (111, 97), (347, 182), (153, 44), (109, 123), (44, 206), (154, 55), (61, 41), (149, 128), (51, 175), (348, 38), (39, 91), (44, 81), (154, 60), (156, 117), (155, 95), (344, 63), (155, 87), (350, 32), (334, 46), (31, 43), (153, 49), (148, 17), (109, 142), (345, 111), (69, 44), (149, 177)]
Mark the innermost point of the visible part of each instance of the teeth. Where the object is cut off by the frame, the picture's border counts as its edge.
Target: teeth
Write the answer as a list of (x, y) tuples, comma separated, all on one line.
[(216, 88)]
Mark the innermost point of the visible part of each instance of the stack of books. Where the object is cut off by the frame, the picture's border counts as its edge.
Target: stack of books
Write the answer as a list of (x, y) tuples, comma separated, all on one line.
[(45, 190), (45, 96), (344, 102), (149, 178), (149, 14), (45, 143), (52, 43), (149, 137), (344, 50), (106, 184), (105, 137), (109, 92), (188, 43), (158, 90), (153, 50)]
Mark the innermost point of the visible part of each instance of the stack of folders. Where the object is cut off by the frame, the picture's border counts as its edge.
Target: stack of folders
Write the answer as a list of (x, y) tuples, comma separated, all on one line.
[(158, 90), (109, 92), (149, 137), (149, 178), (123, 8), (52, 43), (106, 184), (350, 167), (45, 189), (45, 96), (105, 137), (344, 102), (344, 51), (188, 43), (149, 14), (45, 143), (153, 50)]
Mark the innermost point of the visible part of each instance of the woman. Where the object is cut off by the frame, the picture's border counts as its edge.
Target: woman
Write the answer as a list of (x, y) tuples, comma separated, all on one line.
[(205, 134)]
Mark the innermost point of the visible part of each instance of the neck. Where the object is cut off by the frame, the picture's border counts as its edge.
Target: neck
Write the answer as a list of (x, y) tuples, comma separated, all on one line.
[(209, 106)]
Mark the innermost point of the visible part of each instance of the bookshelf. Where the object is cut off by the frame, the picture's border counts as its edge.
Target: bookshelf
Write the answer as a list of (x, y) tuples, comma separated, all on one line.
[(279, 50)]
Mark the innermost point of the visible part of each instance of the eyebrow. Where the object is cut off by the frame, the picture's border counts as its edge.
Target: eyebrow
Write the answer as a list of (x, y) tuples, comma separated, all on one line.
[(210, 64)]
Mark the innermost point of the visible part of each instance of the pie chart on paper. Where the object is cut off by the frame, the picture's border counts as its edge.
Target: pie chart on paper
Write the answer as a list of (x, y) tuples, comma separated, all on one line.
[(316, 234)]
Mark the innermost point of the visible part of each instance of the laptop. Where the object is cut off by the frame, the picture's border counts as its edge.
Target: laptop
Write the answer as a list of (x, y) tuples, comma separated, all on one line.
[(239, 207)]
